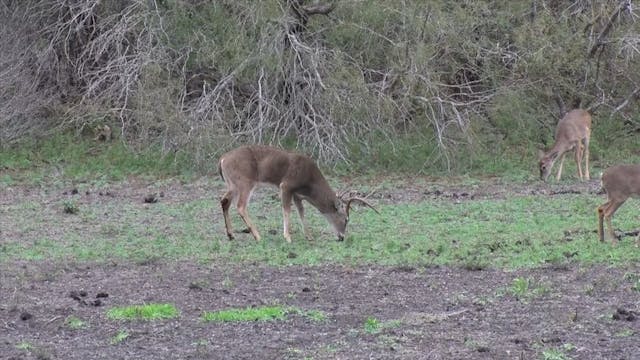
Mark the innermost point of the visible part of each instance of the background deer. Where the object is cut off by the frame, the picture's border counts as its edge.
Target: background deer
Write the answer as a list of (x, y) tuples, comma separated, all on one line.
[(296, 175), (573, 132), (620, 182)]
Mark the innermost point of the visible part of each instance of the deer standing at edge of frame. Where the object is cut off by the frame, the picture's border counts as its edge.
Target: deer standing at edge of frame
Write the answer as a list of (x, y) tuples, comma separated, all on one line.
[(620, 182), (296, 175), (572, 132)]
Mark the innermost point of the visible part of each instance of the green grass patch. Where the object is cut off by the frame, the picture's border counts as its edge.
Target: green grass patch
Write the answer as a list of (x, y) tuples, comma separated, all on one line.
[(261, 313), (143, 312)]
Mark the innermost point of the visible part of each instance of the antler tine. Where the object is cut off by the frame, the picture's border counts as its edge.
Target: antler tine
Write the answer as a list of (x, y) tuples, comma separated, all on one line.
[(361, 200)]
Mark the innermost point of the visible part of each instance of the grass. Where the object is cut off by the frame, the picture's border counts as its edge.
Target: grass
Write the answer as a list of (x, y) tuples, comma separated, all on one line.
[(67, 157), (143, 312), (261, 313), (515, 232), (512, 232)]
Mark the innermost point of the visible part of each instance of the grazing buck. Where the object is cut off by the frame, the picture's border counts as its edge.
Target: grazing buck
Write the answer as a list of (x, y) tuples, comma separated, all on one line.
[(573, 132), (297, 177), (620, 182)]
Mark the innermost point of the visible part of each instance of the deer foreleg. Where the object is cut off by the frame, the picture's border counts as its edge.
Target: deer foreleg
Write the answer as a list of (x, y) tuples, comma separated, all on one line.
[(586, 156), (560, 167), (578, 157), (286, 196)]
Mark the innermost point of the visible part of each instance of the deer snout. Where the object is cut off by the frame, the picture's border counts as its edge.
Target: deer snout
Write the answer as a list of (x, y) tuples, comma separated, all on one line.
[(544, 172)]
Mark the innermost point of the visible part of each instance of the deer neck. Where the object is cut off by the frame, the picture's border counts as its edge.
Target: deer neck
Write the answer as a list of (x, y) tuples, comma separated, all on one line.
[(323, 197), (559, 148)]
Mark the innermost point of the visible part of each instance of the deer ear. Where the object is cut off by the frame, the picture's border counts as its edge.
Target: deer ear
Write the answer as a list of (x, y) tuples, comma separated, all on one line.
[(540, 154)]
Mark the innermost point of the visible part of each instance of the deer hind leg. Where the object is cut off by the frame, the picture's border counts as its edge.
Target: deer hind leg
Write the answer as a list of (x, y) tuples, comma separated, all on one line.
[(298, 202), (243, 202), (560, 167), (225, 202), (286, 196), (608, 214)]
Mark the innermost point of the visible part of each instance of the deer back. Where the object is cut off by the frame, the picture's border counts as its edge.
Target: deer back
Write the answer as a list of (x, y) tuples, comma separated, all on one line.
[(574, 126)]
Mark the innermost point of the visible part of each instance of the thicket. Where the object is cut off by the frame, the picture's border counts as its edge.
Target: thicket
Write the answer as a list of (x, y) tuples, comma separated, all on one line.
[(401, 84)]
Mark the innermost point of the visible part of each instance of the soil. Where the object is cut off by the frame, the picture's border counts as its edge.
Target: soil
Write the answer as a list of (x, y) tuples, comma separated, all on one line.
[(583, 312)]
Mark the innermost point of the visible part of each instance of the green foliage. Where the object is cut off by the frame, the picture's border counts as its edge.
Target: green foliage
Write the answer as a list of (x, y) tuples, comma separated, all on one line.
[(143, 312)]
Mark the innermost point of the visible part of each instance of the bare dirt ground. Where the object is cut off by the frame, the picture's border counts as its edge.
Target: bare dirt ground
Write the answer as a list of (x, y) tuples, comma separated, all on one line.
[(578, 312)]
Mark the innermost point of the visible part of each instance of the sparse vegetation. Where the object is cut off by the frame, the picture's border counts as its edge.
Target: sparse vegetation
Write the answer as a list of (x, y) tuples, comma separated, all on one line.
[(70, 207), (261, 313), (525, 288), (373, 326), (75, 323), (119, 337)]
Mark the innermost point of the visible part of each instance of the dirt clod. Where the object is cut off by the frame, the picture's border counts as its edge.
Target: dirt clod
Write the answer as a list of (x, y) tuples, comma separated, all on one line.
[(151, 198), (626, 315), (24, 316)]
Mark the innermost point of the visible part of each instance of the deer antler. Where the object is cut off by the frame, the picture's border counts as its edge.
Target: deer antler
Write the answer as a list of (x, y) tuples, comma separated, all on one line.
[(358, 199)]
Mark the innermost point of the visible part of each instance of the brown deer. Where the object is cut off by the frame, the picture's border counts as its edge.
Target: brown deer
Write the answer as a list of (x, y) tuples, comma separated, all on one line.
[(620, 182), (296, 175), (573, 132)]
